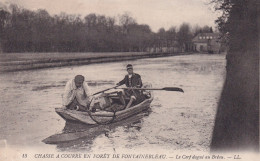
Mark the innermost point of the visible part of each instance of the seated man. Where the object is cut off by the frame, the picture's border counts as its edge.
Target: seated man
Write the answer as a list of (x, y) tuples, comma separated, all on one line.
[(77, 94), (132, 80)]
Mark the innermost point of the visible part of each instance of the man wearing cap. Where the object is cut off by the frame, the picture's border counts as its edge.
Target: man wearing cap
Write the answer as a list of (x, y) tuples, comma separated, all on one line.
[(132, 80), (77, 94)]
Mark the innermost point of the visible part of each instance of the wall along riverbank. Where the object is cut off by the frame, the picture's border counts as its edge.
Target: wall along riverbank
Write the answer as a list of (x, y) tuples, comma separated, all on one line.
[(10, 62)]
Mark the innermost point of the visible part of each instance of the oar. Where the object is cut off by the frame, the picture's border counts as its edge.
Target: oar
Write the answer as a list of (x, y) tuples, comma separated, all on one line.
[(106, 89), (165, 89)]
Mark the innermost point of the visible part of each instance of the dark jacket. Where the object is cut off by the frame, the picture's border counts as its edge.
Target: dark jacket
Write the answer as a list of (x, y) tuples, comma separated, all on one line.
[(135, 81)]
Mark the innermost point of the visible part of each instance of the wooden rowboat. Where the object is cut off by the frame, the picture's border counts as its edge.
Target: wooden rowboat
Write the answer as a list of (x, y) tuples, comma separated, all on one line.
[(103, 117)]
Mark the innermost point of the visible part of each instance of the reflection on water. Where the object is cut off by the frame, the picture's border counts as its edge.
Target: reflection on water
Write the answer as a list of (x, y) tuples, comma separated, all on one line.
[(79, 136), (178, 121)]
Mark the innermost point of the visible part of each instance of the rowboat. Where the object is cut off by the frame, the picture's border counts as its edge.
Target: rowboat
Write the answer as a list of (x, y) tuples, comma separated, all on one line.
[(103, 117)]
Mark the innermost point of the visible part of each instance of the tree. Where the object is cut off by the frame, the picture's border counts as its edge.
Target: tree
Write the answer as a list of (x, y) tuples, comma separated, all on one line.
[(171, 34), (184, 36), (210, 30), (139, 37), (125, 20), (206, 29), (4, 17), (91, 20), (196, 29), (237, 120)]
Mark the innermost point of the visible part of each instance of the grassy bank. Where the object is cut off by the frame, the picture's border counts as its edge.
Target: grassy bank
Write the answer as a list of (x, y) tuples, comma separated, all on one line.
[(27, 61)]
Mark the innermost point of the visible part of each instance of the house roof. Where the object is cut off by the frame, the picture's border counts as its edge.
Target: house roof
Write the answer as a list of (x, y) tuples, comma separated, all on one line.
[(204, 37)]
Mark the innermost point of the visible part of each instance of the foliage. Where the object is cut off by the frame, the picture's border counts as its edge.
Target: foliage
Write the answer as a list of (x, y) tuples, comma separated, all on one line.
[(235, 21), (22, 30), (184, 35)]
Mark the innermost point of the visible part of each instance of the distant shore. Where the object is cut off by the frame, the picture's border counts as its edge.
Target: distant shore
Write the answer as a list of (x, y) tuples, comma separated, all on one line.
[(11, 62)]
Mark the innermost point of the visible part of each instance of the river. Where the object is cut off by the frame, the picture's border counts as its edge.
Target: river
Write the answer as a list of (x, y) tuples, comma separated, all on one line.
[(176, 121)]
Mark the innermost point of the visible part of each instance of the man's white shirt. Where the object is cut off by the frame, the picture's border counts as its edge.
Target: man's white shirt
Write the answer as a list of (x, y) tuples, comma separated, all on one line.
[(82, 94)]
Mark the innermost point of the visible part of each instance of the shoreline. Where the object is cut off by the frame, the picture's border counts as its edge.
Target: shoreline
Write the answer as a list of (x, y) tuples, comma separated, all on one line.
[(45, 62)]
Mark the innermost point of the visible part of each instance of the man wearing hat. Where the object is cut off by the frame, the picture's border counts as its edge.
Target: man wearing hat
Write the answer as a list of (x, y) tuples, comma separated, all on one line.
[(77, 94), (132, 80)]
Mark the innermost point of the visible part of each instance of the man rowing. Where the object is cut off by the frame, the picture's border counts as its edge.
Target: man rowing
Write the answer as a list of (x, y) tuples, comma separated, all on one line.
[(132, 80), (77, 94)]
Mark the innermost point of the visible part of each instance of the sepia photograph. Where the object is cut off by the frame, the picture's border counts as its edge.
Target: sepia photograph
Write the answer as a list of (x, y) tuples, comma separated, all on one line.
[(129, 80)]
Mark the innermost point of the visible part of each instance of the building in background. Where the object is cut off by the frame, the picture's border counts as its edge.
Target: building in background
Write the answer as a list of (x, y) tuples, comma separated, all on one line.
[(207, 42), (202, 42)]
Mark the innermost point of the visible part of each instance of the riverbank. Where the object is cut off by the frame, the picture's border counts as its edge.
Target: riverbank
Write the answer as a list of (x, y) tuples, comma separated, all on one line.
[(27, 61)]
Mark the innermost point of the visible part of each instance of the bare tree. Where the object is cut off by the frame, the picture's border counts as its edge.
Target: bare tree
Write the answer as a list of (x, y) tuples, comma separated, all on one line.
[(184, 36)]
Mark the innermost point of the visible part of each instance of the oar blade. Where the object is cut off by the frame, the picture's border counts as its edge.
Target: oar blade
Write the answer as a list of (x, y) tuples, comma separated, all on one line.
[(173, 89)]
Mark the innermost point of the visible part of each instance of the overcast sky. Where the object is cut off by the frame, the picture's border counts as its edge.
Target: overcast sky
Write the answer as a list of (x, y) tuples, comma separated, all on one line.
[(155, 13)]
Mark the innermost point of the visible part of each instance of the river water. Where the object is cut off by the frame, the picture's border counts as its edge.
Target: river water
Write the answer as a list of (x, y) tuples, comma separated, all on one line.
[(176, 121)]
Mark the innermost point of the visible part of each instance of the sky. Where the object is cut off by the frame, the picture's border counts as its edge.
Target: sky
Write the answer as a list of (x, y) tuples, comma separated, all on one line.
[(155, 13)]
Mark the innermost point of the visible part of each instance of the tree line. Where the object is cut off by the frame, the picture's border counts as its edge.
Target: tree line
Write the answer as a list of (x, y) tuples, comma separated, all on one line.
[(23, 30)]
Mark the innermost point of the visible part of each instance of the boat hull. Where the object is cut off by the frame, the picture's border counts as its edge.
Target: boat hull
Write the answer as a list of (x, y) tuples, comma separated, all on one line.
[(102, 116)]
